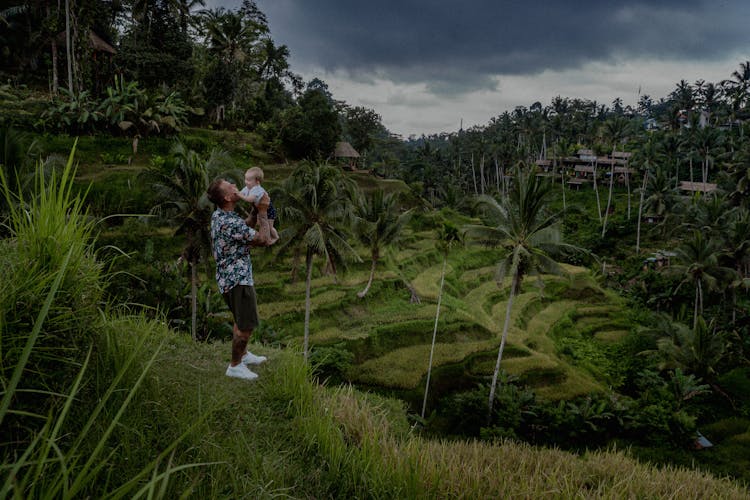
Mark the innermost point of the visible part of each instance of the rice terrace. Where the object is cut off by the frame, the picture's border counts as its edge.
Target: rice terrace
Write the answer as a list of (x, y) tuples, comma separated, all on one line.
[(552, 302)]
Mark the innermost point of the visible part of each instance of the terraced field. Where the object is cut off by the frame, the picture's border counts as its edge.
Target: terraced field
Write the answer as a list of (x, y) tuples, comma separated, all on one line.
[(390, 337)]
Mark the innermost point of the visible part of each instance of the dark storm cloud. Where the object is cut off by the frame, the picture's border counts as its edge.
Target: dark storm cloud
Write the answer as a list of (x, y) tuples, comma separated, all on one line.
[(459, 46)]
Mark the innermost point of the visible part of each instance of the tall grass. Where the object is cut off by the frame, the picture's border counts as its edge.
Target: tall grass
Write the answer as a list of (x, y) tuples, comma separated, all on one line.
[(371, 460), (49, 320), (363, 449), (50, 239)]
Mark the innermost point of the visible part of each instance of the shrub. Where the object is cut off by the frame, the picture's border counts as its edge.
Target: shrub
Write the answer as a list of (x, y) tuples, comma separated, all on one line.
[(726, 428), (736, 383), (330, 363)]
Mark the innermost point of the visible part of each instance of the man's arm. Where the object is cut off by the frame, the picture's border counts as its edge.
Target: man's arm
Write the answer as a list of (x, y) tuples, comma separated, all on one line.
[(263, 236), (252, 217)]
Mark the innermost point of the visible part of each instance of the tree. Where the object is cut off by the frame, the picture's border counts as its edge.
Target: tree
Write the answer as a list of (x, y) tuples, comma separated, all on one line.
[(246, 66), (182, 182), (615, 131), (521, 226), (229, 36), (317, 203), (662, 198), (154, 50), (378, 225), (696, 350), (683, 96), (708, 142), (698, 261), (274, 59), (361, 126), (738, 88), (646, 157), (561, 149), (448, 236), (311, 129), (737, 241), (708, 214), (737, 247)]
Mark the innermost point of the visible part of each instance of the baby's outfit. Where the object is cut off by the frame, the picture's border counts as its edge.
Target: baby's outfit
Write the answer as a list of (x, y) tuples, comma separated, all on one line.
[(258, 192)]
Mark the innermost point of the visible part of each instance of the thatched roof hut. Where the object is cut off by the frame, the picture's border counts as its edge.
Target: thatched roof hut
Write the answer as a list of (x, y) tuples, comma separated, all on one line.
[(345, 150)]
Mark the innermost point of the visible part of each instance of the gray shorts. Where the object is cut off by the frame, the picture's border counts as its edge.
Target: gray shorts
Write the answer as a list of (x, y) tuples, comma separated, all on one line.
[(244, 307)]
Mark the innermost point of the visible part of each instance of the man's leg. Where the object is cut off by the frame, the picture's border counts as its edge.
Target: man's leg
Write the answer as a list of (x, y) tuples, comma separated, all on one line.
[(239, 344)]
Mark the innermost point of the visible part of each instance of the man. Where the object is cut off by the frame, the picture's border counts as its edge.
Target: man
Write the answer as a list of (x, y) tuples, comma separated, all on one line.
[(232, 238)]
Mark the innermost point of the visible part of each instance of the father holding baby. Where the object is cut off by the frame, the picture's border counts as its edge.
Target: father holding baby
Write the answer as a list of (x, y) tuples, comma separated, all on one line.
[(231, 240)]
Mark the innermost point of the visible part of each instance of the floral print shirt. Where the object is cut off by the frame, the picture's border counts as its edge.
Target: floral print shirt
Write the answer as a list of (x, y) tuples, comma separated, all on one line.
[(231, 239)]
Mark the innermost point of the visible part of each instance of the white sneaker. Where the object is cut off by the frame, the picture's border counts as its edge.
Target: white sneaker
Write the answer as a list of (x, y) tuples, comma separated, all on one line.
[(241, 371), (251, 359)]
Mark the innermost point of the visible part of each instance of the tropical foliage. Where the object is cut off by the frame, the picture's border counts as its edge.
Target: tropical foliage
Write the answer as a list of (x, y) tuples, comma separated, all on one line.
[(641, 340)]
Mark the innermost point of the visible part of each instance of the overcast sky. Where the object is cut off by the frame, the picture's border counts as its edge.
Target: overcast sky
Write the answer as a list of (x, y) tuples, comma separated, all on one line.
[(426, 65)]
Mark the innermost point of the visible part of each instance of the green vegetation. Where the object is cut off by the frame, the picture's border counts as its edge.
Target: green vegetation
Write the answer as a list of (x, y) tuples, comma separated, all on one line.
[(385, 355), (158, 419)]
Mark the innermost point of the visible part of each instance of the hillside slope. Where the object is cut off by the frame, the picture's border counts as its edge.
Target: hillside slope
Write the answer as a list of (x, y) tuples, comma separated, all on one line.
[(286, 435)]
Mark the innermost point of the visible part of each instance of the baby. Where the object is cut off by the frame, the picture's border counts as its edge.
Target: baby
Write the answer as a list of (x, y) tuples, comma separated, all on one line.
[(253, 192)]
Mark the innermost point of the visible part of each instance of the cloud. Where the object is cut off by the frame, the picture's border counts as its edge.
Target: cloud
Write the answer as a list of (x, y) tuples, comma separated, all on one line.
[(412, 108), (427, 65), (461, 47)]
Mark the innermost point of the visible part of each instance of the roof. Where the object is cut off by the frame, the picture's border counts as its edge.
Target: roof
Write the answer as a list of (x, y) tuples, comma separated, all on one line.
[(705, 187), (624, 170), (96, 42), (345, 150)]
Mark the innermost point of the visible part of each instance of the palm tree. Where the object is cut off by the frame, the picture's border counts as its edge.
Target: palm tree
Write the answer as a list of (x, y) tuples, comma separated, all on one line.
[(708, 142), (274, 59), (662, 199), (379, 224), (684, 96), (182, 8), (317, 202), (737, 247), (229, 36), (709, 214), (448, 236), (520, 225), (738, 88), (740, 174), (563, 147), (669, 148), (182, 182), (737, 241), (698, 261), (615, 131), (696, 350), (646, 157), (68, 52)]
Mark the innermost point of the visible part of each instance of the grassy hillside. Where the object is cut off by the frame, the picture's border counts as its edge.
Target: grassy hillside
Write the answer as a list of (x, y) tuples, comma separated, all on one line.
[(288, 435)]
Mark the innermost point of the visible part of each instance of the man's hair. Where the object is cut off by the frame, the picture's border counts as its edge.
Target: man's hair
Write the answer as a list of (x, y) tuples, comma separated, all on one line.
[(215, 192), (255, 173)]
